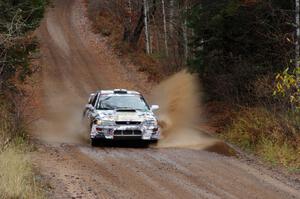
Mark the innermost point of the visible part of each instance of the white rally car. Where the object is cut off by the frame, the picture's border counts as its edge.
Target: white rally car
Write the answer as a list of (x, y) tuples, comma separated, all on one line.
[(121, 115)]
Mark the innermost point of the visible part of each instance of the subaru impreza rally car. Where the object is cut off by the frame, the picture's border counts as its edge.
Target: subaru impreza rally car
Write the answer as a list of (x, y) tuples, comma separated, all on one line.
[(121, 115)]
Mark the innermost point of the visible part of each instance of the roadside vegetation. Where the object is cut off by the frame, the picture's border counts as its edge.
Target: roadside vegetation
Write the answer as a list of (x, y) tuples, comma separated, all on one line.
[(246, 48), (273, 137), (17, 47), (17, 177), (245, 52)]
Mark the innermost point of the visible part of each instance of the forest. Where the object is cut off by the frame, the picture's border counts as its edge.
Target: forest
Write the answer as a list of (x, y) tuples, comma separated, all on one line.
[(246, 53)]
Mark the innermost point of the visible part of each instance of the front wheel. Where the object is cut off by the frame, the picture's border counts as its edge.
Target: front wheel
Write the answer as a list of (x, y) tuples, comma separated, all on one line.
[(94, 142), (154, 142)]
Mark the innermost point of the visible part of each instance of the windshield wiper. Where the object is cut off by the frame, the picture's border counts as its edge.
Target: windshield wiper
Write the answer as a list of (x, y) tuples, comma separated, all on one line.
[(106, 107)]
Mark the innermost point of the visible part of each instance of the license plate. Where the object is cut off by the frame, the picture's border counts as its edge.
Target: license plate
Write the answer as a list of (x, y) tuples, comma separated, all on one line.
[(127, 128)]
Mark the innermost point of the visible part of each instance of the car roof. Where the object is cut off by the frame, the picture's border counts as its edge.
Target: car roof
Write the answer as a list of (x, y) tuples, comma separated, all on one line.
[(119, 91)]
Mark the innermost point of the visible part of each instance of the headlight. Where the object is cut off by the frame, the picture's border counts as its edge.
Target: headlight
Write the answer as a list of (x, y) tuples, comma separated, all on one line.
[(104, 122), (150, 123), (98, 122)]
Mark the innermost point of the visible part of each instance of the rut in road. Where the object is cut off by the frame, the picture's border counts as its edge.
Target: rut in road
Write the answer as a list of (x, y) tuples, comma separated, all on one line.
[(76, 62)]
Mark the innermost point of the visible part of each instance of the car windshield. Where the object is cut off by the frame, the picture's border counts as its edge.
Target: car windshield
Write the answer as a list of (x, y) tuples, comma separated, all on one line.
[(113, 102)]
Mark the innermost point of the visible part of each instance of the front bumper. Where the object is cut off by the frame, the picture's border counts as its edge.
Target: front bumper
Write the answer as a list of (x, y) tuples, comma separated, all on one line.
[(125, 132)]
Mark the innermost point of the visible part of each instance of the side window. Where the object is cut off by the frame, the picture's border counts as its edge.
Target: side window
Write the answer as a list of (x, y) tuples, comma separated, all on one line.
[(93, 101)]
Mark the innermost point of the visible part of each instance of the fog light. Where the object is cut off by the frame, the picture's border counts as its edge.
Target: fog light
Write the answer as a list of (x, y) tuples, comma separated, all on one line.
[(99, 129), (110, 132)]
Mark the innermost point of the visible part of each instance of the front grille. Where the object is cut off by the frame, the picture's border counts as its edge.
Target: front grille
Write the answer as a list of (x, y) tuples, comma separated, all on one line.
[(117, 132), (128, 122), (127, 132), (137, 132)]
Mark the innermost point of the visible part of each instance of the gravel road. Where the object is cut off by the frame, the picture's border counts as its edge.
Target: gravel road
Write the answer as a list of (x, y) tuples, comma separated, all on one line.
[(75, 62)]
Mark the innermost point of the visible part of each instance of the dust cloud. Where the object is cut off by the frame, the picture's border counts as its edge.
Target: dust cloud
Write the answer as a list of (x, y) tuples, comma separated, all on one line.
[(179, 98), (179, 115), (62, 121)]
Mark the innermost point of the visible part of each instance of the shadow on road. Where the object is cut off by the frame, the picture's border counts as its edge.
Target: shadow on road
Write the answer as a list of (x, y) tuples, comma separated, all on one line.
[(123, 143)]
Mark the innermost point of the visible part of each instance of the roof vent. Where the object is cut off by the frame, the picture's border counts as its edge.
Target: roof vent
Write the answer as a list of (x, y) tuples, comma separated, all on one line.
[(120, 91)]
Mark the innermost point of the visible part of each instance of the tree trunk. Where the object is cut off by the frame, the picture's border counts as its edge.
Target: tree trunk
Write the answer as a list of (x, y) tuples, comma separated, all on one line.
[(171, 16), (135, 35), (156, 34), (165, 27), (146, 27), (297, 47), (185, 37), (127, 21)]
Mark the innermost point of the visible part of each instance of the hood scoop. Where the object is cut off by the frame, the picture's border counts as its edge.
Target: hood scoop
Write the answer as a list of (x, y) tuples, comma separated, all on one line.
[(126, 110)]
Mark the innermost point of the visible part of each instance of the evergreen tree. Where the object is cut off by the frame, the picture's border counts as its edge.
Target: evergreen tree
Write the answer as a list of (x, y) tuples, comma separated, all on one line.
[(241, 40)]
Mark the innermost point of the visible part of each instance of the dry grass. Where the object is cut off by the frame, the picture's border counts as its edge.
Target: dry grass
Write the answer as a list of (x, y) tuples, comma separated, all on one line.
[(270, 136), (6, 126), (17, 179)]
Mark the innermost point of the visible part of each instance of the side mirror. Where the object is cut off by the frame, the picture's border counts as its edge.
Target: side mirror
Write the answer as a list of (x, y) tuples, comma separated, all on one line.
[(89, 107), (154, 107), (92, 95)]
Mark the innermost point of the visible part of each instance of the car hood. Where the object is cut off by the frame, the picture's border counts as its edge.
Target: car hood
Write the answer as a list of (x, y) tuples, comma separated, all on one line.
[(125, 115)]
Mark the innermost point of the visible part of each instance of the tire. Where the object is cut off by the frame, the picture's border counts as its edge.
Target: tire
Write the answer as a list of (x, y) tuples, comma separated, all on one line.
[(153, 142), (94, 142)]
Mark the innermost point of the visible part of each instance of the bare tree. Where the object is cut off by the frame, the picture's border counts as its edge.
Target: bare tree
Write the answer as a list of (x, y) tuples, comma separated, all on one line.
[(185, 36), (133, 36), (127, 21), (297, 47), (171, 16), (164, 31), (146, 26), (165, 27)]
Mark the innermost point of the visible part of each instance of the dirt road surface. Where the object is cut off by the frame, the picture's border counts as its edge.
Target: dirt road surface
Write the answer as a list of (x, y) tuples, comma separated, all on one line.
[(76, 62)]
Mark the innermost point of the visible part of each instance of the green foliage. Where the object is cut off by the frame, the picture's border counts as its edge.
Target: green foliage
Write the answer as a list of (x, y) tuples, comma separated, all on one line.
[(238, 47), (16, 19), (279, 153), (288, 85), (236, 42), (20, 16)]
